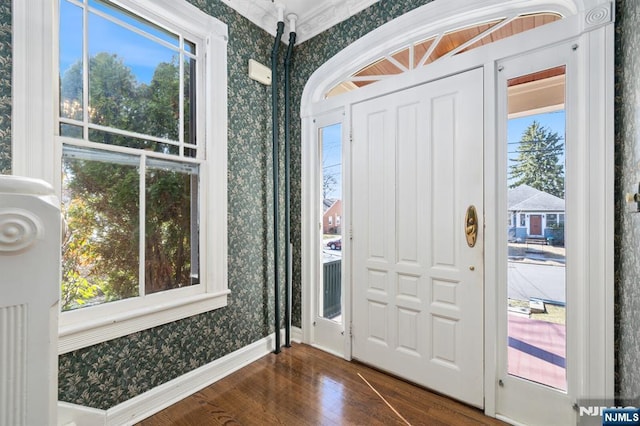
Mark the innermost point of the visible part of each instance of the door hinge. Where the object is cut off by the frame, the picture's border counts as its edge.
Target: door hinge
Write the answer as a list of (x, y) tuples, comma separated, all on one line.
[(350, 233), (351, 136)]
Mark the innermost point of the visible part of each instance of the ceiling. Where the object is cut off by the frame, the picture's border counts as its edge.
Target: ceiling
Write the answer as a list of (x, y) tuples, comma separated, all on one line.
[(314, 16)]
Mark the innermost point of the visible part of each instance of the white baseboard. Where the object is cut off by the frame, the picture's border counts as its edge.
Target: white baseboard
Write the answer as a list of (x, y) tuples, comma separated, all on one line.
[(508, 420), (77, 415), (296, 334), (161, 397)]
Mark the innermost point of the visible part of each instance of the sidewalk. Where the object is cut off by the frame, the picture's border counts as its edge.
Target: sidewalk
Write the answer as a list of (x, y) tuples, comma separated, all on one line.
[(537, 351)]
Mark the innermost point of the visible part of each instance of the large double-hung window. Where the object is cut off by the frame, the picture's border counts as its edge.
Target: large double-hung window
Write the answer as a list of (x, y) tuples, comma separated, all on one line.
[(141, 134)]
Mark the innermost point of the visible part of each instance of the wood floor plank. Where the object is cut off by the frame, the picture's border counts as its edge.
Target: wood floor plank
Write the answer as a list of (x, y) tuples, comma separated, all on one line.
[(305, 386)]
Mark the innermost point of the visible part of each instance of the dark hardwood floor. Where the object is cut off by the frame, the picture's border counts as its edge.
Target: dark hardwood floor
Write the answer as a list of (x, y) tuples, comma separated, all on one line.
[(305, 386)]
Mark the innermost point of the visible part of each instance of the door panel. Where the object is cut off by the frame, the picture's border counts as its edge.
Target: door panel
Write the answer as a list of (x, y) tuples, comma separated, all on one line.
[(417, 166)]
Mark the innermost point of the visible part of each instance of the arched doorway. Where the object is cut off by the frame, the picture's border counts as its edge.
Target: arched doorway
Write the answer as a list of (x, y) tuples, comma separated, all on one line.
[(585, 28)]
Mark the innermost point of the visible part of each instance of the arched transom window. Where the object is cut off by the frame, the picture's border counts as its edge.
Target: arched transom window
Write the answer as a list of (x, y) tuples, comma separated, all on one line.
[(447, 43)]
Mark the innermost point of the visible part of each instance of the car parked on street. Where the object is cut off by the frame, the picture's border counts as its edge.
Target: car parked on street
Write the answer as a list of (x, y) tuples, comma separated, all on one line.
[(335, 244)]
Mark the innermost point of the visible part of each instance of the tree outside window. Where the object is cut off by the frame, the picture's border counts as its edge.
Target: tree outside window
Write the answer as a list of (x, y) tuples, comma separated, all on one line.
[(131, 163)]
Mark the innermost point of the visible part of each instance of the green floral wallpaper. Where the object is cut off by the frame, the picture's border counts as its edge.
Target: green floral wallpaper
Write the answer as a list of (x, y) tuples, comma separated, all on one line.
[(109, 373), (627, 225), (5, 88)]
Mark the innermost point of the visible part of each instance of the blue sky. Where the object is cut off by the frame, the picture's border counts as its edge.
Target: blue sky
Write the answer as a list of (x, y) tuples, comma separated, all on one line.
[(332, 156), (141, 54)]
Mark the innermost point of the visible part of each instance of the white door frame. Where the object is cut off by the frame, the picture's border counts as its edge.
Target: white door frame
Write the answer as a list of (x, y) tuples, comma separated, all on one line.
[(509, 395), (589, 23), (322, 333)]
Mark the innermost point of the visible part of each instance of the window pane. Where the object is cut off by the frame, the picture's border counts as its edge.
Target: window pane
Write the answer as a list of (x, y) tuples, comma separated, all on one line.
[(190, 47), (189, 87), (70, 131), (536, 274), (420, 49), (136, 21), (133, 81), (518, 25), (344, 87), (454, 39), (70, 61), (171, 251), (380, 67), (330, 292), (100, 204), (403, 57)]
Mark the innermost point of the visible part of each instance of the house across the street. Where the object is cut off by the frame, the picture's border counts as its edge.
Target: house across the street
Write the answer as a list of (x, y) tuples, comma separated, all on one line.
[(332, 216), (535, 214)]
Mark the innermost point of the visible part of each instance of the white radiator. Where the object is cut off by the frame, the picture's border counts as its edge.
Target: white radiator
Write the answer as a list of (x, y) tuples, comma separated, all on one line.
[(29, 293)]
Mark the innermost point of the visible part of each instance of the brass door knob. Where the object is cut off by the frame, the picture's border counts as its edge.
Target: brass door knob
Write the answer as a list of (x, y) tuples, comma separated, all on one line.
[(471, 226)]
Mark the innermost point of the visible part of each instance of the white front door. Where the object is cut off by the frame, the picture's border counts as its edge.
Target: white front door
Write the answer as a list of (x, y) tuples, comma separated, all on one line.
[(417, 283)]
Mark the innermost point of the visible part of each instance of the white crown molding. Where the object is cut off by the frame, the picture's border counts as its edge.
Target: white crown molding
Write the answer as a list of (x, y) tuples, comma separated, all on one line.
[(314, 16)]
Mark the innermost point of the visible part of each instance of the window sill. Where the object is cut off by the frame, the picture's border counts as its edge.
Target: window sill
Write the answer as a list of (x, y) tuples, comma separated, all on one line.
[(87, 333)]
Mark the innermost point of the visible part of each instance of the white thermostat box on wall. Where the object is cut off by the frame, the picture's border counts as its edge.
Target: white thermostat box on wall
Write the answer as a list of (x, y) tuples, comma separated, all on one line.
[(259, 72)]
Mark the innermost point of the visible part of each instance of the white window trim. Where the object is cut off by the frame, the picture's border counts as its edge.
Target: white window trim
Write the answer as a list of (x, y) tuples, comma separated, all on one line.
[(34, 154)]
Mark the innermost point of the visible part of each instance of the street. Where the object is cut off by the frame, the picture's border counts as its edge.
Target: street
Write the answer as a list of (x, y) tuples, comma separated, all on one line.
[(530, 280)]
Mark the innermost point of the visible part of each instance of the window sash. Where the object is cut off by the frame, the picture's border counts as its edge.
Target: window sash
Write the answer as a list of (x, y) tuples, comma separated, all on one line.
[(188, 43), (139, 25), (144, 165)]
